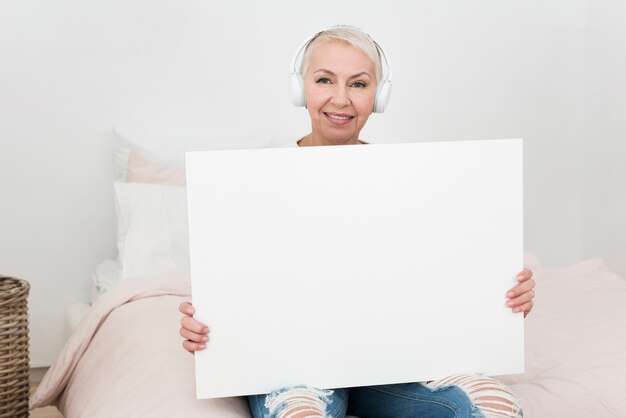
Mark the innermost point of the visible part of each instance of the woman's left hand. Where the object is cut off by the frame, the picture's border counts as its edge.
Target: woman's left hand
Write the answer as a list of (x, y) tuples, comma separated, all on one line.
[(520, 298)]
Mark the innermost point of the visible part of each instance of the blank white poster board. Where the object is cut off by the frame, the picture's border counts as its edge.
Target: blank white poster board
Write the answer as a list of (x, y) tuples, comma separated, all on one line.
[(355, 265)]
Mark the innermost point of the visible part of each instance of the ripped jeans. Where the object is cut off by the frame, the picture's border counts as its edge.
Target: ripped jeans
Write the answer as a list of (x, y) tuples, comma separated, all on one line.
[(460, 396)]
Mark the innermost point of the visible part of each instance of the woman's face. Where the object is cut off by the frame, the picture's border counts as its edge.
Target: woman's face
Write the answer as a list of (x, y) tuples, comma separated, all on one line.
[(340, 87)]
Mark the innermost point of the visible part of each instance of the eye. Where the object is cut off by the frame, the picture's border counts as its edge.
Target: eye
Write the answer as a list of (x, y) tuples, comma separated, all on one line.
[(359, 84), (323, 80)]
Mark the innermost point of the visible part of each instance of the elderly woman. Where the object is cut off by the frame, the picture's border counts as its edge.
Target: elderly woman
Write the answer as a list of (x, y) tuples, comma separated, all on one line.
[(342, 75)]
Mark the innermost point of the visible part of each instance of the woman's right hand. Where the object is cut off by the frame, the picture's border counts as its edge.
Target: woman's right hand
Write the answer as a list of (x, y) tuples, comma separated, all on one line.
[(196, 334)]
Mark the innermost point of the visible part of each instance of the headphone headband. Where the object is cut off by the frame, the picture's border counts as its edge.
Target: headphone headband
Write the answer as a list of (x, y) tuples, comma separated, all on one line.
[(297, 80)]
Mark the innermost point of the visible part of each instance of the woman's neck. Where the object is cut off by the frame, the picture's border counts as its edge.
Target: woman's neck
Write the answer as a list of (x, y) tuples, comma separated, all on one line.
[(312, 140)]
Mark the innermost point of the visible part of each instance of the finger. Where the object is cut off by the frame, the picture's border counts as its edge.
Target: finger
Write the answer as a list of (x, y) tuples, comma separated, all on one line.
[(193, 347), (520, 300), (193, 337), (526, 308), (521, 288), (186, 308), (523, 275), (191, 324)]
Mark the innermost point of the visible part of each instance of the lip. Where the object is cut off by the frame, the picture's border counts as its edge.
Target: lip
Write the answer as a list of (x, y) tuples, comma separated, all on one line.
[(338, 119)]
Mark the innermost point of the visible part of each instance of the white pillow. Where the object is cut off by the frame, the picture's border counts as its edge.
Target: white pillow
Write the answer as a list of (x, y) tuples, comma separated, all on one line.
[(171, 151), (105, 277), (153, 235)]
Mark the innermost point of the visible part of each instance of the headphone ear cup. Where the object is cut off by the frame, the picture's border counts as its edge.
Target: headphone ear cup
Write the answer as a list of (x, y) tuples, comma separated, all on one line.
[(382, 96), (297, 90)]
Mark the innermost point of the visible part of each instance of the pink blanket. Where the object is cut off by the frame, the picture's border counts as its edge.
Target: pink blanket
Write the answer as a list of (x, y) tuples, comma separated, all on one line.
[(125, 359), (575, 345)]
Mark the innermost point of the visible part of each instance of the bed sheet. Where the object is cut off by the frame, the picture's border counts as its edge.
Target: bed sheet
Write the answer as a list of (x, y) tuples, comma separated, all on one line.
[(575, 346), (125, 359)]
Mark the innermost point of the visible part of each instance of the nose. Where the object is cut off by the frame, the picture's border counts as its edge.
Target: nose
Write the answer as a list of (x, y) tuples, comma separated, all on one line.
[(341, 96)]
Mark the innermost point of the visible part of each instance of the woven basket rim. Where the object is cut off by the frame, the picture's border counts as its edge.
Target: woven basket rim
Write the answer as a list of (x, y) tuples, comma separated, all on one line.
[(10, 285), (12, 279)]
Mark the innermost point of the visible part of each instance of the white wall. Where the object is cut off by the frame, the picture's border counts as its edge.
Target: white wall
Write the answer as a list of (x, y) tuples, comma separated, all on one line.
[(71, 69), (604, 165)]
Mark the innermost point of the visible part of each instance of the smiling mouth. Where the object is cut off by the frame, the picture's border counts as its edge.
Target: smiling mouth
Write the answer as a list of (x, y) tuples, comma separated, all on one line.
[(338, 117)]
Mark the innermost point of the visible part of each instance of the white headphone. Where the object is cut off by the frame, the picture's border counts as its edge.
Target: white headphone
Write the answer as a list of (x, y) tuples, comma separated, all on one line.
[(297, 81)]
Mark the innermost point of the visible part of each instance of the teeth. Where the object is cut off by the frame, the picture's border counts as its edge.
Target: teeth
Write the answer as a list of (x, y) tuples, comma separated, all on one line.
[(338, 117)]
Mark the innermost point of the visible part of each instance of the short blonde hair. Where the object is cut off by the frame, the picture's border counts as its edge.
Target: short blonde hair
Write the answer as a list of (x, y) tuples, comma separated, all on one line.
[(349, 35)]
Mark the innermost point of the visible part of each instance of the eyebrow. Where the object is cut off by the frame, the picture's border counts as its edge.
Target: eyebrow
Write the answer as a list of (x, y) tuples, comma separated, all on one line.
[(324, 70)]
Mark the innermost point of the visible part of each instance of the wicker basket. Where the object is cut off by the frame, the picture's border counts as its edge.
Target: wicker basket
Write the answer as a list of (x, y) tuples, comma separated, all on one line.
[(14, 361)]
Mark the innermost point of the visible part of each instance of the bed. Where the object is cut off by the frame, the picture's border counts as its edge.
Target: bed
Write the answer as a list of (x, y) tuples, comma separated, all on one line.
[(125, 359)]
